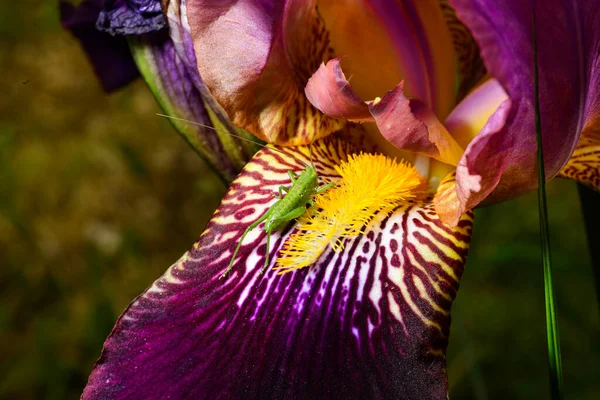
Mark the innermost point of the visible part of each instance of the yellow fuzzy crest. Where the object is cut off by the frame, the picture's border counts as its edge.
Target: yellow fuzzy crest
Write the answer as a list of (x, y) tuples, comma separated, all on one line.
[(370, 184)]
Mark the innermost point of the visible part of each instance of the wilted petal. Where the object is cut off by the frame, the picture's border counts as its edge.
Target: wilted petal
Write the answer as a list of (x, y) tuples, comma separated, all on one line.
[(387, 41), (330, 92), (110, 56), (173, 86), (369, 322), (407, 124), (256, 57), (131, 17), (568, 39), (584, 164), (411, 125)]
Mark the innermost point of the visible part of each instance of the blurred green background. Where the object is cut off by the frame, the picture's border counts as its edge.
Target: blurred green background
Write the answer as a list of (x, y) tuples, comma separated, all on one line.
[(98, 196)]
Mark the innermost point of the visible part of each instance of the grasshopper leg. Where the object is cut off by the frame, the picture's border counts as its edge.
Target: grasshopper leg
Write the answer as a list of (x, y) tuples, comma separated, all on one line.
[(292, 176), (266, 254), (281, 190), (295, 213), (325, 188), (248, 229)]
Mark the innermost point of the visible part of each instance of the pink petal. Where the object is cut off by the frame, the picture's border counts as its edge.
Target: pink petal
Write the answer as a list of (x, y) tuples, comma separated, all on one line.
[(329, 91), (256, 57)]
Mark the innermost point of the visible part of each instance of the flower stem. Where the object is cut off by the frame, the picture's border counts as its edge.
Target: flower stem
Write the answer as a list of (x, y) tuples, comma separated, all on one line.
[(554, 358)]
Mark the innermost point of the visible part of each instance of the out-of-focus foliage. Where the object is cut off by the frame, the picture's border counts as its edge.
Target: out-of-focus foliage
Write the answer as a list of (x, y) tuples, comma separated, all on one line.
[(98, 196)]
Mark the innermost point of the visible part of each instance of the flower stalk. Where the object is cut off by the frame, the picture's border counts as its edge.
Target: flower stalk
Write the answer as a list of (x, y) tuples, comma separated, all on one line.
[(552, 337)]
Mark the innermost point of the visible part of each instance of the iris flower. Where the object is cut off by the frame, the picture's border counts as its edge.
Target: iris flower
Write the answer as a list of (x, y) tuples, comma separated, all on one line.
[(356, 300)]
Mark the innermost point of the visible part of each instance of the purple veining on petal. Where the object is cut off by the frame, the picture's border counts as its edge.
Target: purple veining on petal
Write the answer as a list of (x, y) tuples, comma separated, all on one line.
[(131, 17), (256, 57), (360, 324)]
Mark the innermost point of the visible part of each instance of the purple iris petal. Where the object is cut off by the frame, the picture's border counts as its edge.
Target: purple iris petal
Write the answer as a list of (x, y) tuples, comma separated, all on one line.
[(131, 17), (568, 39), (109, 56), (184, 47), (370, 322)]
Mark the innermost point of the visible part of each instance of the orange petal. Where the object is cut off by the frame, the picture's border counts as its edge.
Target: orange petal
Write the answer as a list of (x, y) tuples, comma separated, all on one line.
[(387, 41), (447, 205)]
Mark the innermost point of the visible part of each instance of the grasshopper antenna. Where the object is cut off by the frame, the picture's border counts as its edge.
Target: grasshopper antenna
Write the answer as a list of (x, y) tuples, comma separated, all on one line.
[(211, 127), (223, 131)]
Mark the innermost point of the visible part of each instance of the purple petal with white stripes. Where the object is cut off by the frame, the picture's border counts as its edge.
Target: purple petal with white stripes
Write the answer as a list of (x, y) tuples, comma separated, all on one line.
[(369, 322)]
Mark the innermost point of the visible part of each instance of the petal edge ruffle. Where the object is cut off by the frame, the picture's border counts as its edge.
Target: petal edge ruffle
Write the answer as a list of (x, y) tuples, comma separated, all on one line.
[(408, 124)]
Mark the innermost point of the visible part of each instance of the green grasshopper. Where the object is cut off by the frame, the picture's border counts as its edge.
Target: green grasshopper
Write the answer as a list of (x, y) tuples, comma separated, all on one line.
[(287, 208)]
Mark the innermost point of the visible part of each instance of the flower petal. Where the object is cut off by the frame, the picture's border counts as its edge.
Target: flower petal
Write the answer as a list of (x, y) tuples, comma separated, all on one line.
[(407, 124), (238, 151), (330, 92), (256, 57), (568, 39), (386, 41), (369, 322), (470, 116), (173, 87), (411, 125), (470, 65), (110, 56), (584, 164), (131, 17), (447, 205)]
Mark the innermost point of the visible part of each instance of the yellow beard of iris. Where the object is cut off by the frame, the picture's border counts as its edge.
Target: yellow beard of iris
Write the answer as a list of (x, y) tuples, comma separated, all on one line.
[(370, 184)]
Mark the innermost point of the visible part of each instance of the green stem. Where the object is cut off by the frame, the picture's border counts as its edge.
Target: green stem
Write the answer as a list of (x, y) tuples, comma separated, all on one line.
[(554, 357)]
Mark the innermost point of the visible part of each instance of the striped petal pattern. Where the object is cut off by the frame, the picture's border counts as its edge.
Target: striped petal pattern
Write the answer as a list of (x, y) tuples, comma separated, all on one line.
[(584, 164), (470, 65), (369, 322)]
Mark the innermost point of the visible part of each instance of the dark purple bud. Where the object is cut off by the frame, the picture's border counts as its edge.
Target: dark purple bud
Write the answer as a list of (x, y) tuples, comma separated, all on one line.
[(131, 17), (109, 55)]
